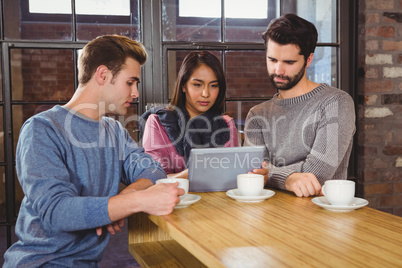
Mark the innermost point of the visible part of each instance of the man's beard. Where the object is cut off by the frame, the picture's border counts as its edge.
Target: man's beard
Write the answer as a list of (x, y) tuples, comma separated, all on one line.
[(292, 81)]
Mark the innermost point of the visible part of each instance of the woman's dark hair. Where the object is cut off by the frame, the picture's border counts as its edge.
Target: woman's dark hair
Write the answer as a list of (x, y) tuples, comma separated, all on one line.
[(190, 63), (291, 29)]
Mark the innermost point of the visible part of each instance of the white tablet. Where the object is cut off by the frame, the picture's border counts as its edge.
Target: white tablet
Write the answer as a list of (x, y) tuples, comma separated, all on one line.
[(216, 169)]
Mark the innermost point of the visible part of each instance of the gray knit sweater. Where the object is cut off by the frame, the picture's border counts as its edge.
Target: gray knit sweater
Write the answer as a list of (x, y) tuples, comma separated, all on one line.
[(312, 133)]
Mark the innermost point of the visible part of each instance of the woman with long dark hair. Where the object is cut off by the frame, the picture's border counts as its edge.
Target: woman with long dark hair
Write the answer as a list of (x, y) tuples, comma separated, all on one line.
[(194, 118)]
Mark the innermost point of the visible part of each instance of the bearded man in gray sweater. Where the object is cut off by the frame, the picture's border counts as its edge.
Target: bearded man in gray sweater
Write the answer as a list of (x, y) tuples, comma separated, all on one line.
[(307, 128)]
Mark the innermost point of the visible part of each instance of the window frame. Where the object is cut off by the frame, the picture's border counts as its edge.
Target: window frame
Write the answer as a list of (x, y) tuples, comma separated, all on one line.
[(27, 16)]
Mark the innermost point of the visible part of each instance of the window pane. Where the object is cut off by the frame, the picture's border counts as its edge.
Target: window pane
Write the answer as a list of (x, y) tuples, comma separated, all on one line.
[(112, 18), (196, 8), (246, 75), (175, 58), (1, 76), (239, 110), (195, 25), (20, 23), (103, 7), (256, 9), (247, 24), (324, 67), (248, 31), (42, 74), (1, 136), (322, 13), (89, 7), (50, 7), (2, 197)]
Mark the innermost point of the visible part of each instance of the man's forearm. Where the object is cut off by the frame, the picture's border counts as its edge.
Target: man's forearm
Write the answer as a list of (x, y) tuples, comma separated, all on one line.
[(140, 184)]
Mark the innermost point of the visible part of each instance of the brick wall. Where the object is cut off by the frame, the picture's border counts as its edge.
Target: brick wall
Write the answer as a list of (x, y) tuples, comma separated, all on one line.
[(380, 103), (48, 75)]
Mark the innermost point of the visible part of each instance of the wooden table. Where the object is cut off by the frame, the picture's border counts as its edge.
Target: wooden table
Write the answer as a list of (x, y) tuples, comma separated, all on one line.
[(282, 231)]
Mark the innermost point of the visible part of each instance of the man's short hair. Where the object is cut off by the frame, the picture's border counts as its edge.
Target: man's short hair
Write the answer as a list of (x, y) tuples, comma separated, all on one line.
[(291, 29), (111, 51)]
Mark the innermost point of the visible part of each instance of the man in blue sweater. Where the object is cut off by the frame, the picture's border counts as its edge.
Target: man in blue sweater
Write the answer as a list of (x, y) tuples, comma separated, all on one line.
[(71, 159)]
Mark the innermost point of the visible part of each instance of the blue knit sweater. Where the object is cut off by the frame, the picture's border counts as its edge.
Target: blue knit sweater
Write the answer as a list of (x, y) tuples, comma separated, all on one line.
[(69, 166)]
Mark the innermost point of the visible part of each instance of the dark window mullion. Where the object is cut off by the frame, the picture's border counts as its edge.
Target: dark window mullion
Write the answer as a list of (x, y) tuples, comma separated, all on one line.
[(1, 21), (73, 21), (223, 22), (8, 142)]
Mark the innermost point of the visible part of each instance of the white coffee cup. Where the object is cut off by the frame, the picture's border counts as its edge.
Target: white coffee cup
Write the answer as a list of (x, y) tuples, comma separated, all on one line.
[(339, 192), (250, 184), (183, 183)]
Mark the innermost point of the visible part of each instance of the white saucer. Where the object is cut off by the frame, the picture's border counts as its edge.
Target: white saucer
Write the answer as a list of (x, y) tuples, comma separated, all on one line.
[(356, 203), (235, 194), (188, 200)]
